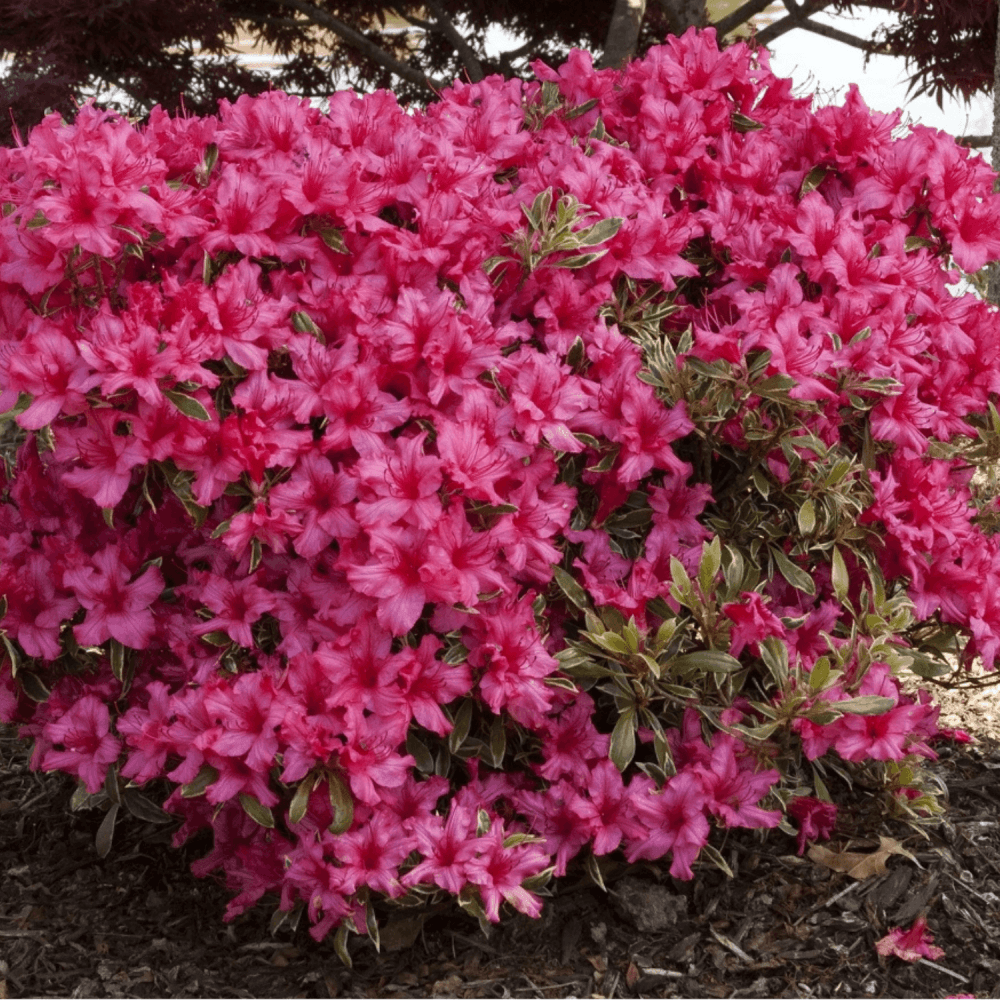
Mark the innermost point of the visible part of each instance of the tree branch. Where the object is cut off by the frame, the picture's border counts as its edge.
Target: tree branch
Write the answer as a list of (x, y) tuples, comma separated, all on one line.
[(740, 16), (776, 30), (993, 285), (506, 58), (842, 36), (974, 141), (358, 41), (623, 33), (443, 25)]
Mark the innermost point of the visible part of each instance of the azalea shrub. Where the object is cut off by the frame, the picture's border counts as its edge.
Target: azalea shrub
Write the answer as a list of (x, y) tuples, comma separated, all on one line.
[(422, 501)]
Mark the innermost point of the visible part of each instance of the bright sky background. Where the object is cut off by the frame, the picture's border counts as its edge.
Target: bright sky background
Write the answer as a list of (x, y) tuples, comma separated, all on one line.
[(821, 64), (826, 66), (817, 63)]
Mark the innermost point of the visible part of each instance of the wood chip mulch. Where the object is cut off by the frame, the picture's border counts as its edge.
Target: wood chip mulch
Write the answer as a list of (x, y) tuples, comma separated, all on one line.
[(138, 924)]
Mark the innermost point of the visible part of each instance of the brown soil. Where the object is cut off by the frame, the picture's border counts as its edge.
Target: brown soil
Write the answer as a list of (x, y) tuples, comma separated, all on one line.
[(138, 924)]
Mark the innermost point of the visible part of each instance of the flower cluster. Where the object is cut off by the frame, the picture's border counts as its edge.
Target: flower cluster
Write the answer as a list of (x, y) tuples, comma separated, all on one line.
[(433, 497)]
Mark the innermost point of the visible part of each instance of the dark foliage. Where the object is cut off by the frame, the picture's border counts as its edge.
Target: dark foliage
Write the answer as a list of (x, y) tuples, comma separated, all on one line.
[(948, 45), (155, 51)]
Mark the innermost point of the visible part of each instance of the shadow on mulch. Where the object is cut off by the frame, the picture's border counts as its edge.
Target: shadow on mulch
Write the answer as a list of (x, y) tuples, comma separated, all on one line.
[(138, 924)]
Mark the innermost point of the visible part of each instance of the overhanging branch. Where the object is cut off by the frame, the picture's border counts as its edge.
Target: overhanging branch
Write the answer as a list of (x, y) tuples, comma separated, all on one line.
[(358, 41), (740, 16), (776, 30), (842, 36), (443, 25)]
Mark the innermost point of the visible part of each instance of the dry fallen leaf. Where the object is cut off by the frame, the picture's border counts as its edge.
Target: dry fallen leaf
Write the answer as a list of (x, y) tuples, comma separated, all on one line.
[(857, 865)]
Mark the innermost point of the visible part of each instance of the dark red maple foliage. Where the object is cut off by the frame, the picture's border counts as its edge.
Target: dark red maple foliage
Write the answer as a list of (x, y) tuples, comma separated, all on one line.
[(155, 51)]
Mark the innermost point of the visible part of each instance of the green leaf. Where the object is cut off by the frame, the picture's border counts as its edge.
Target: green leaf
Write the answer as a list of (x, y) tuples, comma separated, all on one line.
[(417, 749), (581, 109), (807, 517), (33, 686), (742, 123), (117, 657), (257, 811), (761, 732), (774, 653), (593, 867), (812, 180), (573, 592), (580, 260), (599, 232), (205, 777), (717, 859), (761, 481), (778, 383), (577, 353), (340, 945), (188, 405), (839, 576), (797, 577), (606, 463), (492, 263), (611, 642), (333, 238), (917, 242), (869, 704), (820, 673), (711, 561), (539, 210), (666, 631), (143, 809), (926, 666), (302, 322), (712, 661), (106, 832), (678, 575), (216, 638), (622, 748), (498, 741), (822, 792), (463, 723), (300, 800), (341, 803), (23, 402)]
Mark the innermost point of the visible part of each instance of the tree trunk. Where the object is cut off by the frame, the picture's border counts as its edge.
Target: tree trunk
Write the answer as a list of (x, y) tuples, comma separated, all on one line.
[(684, 14), (993, 289), (623, 33)]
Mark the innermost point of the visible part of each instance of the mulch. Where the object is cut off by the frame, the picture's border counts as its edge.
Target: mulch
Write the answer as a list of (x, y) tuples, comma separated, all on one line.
[(138, 924)]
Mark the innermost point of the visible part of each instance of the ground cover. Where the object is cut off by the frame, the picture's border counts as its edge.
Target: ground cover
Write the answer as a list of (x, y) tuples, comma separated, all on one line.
[(138, 924)]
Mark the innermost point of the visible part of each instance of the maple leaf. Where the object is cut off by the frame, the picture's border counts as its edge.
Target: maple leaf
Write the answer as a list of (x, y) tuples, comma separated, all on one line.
[(857, 865)]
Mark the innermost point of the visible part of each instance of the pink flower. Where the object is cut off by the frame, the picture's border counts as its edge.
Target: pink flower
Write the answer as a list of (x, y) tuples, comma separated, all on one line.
[(733, 790), (752, 623), (910, 945), (403, 484), (49, 368), (108, 457), (237, 606), (87, 745), (116, 608), (447, 849), (816, 819), (393, 576), (371, 855), (146, 733), (499, 872), (675, 819)]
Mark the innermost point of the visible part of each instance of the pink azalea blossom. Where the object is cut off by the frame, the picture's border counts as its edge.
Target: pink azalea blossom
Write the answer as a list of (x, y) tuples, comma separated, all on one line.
[(87, 746), (116, 608), (911, 945)]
